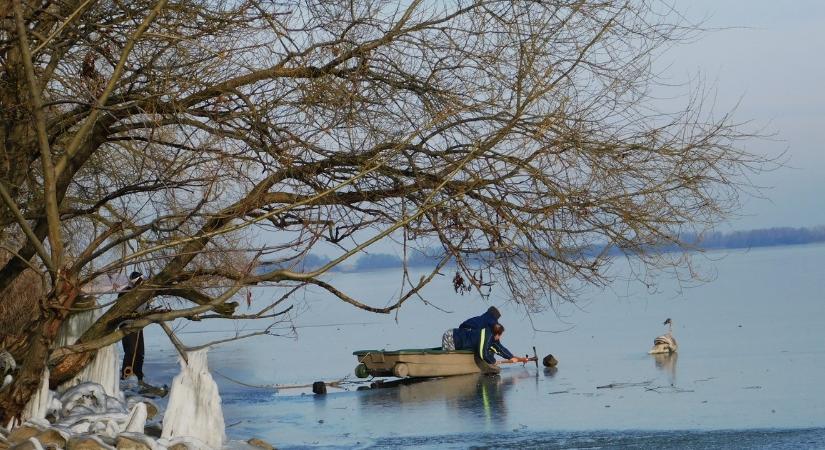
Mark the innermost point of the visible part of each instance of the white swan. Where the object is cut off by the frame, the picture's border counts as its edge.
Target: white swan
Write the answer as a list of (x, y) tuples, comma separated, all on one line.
[(665, 343)]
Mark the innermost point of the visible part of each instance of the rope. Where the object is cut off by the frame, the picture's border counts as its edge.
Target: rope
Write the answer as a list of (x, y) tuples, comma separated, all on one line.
[(128, 371), (276, 387), (256, 386)]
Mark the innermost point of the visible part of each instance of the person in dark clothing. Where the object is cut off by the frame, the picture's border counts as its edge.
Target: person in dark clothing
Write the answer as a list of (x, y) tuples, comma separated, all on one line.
[(480, 341), (132, 342), (488, 320)]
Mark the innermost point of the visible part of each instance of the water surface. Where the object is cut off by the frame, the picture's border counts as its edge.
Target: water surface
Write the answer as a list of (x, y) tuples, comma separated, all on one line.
[(748, 372)]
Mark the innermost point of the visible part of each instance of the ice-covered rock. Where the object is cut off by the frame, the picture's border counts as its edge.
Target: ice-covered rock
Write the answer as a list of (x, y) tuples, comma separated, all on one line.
[(53, 438), (87, 443), (151, 407), (185, 443), (86, 398), (194, 409), (25, 431), (29, 444), (136, 441), (108, 424)]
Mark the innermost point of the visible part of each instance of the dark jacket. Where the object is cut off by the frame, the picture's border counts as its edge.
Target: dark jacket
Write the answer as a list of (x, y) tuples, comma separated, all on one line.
[(480, 341), (487, 320)]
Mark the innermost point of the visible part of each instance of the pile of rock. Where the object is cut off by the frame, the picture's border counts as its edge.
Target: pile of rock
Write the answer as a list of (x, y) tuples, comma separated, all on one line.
[(86, 418)]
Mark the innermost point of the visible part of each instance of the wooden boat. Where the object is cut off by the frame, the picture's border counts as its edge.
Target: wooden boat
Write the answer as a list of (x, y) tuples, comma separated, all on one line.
[(421, 362)]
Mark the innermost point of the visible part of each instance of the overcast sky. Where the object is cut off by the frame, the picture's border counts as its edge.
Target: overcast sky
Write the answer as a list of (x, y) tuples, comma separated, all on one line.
[(770, 59)]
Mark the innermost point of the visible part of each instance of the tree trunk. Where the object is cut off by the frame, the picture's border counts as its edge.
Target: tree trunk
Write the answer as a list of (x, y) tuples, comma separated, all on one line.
[(68, 367), (27, 380)]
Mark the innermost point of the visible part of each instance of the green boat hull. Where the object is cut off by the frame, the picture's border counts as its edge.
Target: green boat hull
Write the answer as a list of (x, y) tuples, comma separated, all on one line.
[(419, 363)]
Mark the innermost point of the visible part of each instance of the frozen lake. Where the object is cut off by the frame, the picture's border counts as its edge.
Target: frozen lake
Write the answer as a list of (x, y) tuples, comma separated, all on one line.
[(748, 373)]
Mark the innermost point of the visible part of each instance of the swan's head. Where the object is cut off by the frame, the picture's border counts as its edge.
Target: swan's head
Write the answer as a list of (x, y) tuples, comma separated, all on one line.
[(667, 321)]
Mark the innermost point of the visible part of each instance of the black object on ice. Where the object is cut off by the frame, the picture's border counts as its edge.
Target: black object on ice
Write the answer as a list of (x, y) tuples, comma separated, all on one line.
[(319, 388), (549, 361)]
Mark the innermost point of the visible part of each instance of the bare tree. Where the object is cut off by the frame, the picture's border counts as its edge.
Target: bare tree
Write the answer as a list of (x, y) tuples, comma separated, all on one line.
[(195, 138)]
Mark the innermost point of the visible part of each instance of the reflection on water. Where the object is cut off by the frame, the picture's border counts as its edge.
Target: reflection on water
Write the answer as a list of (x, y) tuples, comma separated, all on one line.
[(666, 362), (473, 394), (550, 372)]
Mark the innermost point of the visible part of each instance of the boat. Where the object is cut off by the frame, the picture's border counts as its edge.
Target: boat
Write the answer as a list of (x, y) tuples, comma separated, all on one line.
[(419, 363)]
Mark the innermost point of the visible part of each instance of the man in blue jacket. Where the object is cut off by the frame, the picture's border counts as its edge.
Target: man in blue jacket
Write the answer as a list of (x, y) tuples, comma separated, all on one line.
[(480, 341), (487, 320)]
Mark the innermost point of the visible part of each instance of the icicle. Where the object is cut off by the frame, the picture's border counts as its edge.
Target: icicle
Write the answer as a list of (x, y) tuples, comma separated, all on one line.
[(137, 418), (103, 369), (74, 327), (194, 408), (38, 404)]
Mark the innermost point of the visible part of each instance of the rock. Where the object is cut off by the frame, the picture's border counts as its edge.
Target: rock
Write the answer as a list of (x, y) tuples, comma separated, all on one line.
[(152, 429), (319, 388), (260, 443), (87, 443), (52, 438), (550, 361), (29, 444), (133, 441), (151, 407), (184, 443), (23, 432)]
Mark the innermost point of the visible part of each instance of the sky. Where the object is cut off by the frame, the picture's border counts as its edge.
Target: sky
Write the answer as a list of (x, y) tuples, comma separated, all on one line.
[(767, 59)]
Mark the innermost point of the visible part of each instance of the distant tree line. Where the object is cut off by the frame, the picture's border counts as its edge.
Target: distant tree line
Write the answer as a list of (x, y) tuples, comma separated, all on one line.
[(765, 237)]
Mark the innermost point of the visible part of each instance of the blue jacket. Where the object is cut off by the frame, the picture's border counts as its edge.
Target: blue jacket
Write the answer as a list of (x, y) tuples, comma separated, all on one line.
[(486, 320), (479, 341)]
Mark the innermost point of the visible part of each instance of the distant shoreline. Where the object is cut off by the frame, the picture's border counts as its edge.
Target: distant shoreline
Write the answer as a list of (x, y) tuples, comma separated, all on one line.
[(735, 240)]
